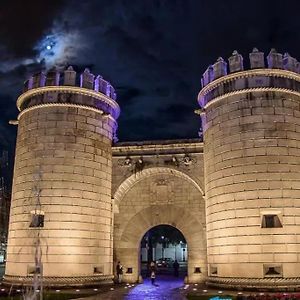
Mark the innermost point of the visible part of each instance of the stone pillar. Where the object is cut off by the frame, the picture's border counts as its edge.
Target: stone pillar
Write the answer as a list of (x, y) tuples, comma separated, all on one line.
[(62, 186), (251, 122)]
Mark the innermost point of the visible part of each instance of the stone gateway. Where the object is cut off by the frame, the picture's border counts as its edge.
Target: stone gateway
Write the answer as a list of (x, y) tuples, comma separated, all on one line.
[(81, 203)]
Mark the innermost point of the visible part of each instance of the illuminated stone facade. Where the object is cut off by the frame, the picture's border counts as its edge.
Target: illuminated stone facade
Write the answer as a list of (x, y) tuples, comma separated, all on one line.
[(61, 198), (251, 123), (159, 183), (234, 196)]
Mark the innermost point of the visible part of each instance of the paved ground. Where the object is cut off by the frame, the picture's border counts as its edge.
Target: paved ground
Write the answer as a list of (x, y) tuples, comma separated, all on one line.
[(166, 288)]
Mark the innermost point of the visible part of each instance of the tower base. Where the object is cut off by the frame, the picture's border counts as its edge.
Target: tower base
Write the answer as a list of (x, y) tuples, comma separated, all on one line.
[(259, 284), (63, 282)]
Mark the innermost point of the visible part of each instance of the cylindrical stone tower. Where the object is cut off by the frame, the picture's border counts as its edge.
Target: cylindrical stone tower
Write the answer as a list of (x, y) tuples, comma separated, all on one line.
[(61, 211), (251, 124)]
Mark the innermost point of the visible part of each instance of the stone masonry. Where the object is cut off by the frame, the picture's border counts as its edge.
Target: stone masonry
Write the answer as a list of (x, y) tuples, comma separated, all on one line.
[(251, 122), (62, 175), (235, 196), (159, 183)]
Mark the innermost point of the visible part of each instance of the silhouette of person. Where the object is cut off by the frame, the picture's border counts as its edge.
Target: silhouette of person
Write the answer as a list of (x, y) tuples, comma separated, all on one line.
[(152, 272), (176, 268), (119, 270)]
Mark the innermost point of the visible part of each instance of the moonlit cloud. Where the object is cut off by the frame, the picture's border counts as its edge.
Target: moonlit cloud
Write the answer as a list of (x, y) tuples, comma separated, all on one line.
[(59, 47), (9, 62), (153, 52)]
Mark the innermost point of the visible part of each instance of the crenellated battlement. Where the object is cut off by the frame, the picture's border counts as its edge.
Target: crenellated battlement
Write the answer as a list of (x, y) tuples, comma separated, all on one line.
[(250, 121), (70, 78), (69, 88), (277, 72), (257, 60)]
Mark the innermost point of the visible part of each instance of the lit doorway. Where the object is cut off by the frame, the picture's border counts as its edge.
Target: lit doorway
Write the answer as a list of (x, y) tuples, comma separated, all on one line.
[(167, 247)]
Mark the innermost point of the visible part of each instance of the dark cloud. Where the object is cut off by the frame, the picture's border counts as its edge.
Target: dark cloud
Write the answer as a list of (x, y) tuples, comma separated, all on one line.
[(153, 52), (175, 113), (24, 22), (128, 94), (136, 126), (162, 91)]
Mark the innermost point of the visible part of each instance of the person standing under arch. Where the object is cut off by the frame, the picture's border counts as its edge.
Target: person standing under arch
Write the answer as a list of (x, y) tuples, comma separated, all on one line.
[(152, 272), (176, 268), (119, 270)]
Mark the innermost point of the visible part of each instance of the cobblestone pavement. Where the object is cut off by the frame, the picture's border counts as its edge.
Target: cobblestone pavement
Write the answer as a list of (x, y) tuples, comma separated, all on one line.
[(166, 288)]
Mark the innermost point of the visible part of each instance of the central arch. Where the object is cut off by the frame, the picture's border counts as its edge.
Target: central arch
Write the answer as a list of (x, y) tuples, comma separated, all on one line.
[(156, 196), (164, 245), (128, 242)]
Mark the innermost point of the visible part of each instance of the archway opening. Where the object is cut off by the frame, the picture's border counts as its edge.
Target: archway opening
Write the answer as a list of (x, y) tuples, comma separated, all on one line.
[(166, 246)]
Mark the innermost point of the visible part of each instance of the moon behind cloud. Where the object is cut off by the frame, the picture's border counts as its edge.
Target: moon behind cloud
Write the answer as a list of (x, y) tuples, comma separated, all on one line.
[(58, 48)]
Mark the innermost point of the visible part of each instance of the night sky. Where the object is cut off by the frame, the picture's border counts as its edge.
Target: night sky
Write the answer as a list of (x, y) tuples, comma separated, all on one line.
[(152, 51)]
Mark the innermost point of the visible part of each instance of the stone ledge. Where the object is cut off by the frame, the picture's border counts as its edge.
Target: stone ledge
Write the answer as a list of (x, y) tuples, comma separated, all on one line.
[(59, 281), (278, 284), (158, 146), (38, 96)]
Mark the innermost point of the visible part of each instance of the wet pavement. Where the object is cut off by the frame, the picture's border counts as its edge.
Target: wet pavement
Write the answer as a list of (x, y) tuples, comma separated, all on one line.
[(165, 288)]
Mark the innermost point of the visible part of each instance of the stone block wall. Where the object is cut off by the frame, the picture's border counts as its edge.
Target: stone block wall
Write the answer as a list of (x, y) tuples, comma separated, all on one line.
[(64, 146), (159, 183), (251, 122), (252, 168), (63, 175)]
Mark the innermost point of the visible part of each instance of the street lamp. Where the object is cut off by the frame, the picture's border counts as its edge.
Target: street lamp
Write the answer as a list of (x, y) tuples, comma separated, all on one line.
[(162, 249)]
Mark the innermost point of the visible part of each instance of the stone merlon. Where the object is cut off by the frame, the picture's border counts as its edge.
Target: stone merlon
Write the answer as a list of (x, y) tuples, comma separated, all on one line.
[(274, 60), (281, 74), (69, 88), (70, 78)]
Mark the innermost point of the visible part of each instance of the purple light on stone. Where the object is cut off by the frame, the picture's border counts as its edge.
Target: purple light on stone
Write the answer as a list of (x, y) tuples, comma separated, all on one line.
[(202, 102), (30, 83), (96, 86), (225, 69), (42, 79), (97, 83), (107, 90), (165, 290), (81, 80)]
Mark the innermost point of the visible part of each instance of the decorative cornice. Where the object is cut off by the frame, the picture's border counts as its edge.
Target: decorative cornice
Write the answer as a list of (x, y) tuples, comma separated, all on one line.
[(154, 147), (255, 283), (58, 281), (251, 90), (68, 89), (249, 73), (49, 105)]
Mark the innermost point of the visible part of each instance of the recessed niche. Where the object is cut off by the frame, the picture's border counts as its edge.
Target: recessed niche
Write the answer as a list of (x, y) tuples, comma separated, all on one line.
[(32, 269), (37, 219), (270, 221), (98, 270), (213, 270), (272, 270)]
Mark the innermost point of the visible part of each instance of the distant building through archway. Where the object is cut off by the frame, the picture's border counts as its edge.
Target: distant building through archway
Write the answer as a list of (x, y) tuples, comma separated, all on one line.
[(166, 246)]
